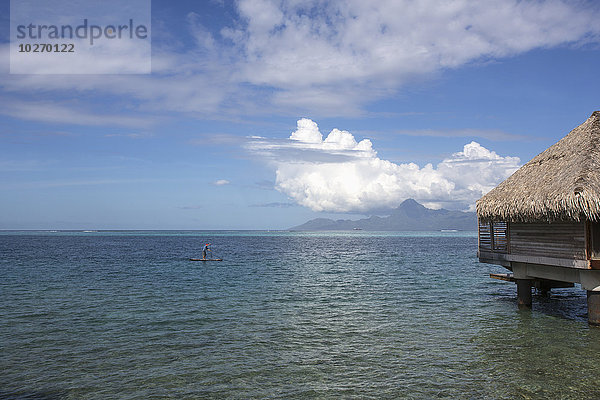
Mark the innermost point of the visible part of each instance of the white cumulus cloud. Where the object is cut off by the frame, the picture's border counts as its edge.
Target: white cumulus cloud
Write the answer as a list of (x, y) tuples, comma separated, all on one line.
[(221, 182), (339, 174)]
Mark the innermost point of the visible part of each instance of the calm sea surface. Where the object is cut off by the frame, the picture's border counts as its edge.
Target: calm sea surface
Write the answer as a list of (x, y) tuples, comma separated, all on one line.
[(125, 315)]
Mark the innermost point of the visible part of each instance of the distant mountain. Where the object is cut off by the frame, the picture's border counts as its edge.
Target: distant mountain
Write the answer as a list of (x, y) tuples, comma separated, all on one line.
[(409, 216)]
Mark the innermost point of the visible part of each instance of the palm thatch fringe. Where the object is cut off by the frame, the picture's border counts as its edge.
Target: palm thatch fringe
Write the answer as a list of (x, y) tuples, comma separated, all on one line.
[(561, 183)]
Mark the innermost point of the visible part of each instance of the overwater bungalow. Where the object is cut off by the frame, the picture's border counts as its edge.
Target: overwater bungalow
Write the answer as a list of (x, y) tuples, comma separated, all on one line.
[(543, 222)]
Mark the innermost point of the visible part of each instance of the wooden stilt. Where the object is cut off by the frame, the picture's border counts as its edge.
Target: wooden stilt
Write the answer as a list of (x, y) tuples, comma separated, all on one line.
[(524, 293), (593, 302)]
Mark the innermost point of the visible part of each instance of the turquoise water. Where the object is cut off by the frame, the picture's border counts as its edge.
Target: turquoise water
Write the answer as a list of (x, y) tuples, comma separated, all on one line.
[(125, 315)]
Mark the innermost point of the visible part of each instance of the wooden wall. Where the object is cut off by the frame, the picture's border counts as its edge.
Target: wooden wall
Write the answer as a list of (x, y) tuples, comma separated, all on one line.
[(557, 240)]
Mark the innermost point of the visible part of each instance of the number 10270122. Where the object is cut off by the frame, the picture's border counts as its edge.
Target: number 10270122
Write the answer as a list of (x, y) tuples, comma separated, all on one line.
[(46, 48)]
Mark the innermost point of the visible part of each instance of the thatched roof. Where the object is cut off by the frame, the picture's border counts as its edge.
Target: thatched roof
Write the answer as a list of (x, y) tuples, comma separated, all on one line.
[(561, 183)]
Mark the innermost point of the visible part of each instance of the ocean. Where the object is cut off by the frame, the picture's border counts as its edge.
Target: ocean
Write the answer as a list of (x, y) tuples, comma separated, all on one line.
[(290, 315)]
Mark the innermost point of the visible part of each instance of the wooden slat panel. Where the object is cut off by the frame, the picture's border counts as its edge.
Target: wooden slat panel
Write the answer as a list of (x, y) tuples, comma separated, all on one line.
[(500, 235), (560, 240), (493, 236), (485, 236)]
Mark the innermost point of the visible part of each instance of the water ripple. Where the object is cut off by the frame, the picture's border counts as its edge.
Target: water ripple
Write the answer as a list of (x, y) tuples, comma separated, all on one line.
[(109, 315)]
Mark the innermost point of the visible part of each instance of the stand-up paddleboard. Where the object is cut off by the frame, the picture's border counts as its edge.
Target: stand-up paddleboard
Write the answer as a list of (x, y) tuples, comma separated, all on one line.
[(206, 259)]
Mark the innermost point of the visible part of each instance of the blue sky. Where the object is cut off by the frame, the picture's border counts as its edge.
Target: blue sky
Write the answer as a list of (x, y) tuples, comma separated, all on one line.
[(262, 115)]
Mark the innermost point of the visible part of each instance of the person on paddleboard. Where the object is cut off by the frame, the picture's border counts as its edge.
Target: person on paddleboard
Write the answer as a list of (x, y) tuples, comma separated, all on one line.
[(205, 249)]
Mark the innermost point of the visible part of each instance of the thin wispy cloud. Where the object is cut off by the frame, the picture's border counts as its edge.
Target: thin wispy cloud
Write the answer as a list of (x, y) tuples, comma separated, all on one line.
[(131, 135), (21, 165), (59, 114), (275, 205), (221, 182), (35, 133), (492, 134), (73, 183), (190, 207), (218, 139)]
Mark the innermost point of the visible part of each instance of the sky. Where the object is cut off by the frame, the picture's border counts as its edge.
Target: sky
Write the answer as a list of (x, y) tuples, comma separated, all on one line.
[(264, 114)]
